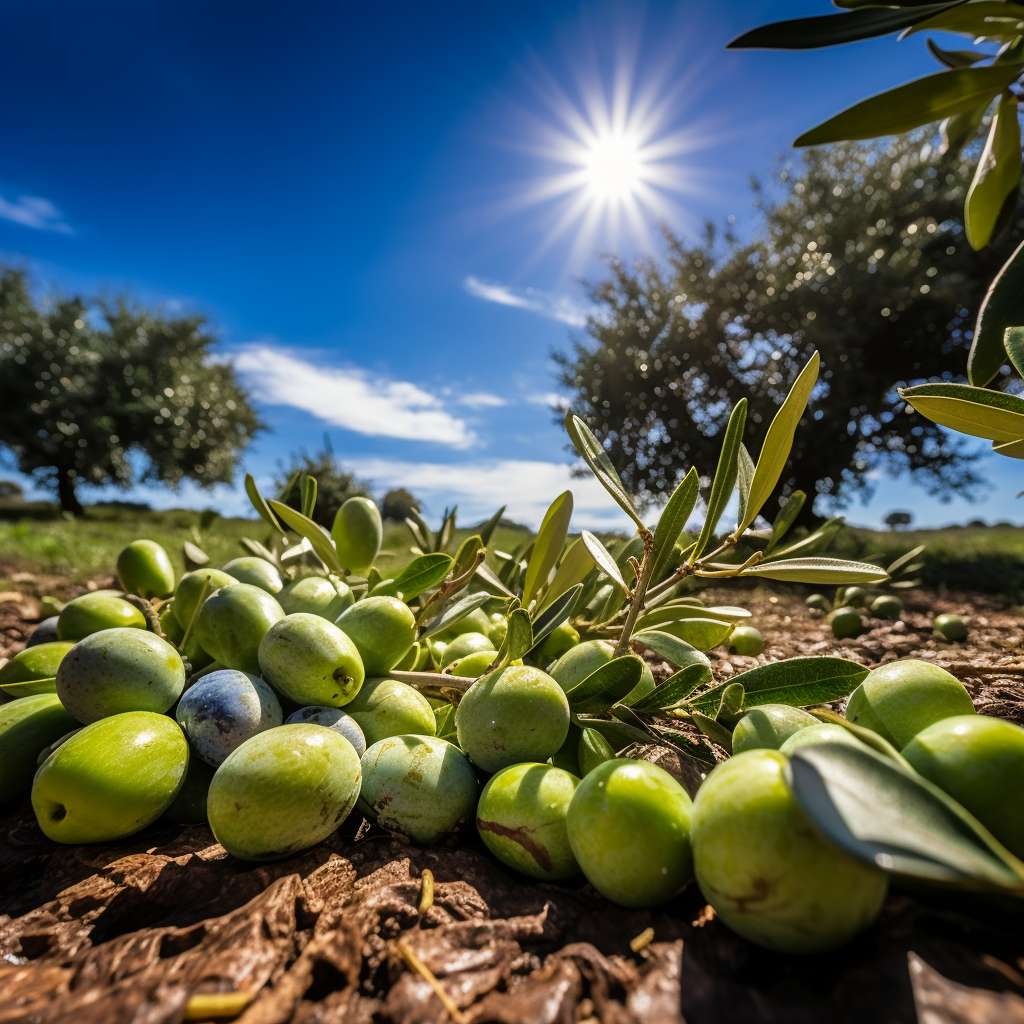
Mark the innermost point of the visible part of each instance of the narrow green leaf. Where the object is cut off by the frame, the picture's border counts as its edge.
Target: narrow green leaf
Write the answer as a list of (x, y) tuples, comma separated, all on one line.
[(971, 410), (988, 19), (833, 29), (618, 734), (744, 480), (813, 542), (714, 732), (905, 559), (897, 821), (491, 581), (778, 442), (667, 646), (800, 682), (548, 545), (1001, 308), (518, 639), (817, 570), (254, 547), (318, 537), (1013, 342), (997, 176), (444, 535), (700, 633), (959, 129), (593, 453), (916, 103), (725, 477), (444, 721), (486, 530), (193, 555), (611, 682), (574, 567), (555, 614), (677, 687), (732, 701), (453, 613), (673, 522), (786, 517), (955, 58), (260, 503), (308, 495), (603, 559), (419, 575), (666, 614)]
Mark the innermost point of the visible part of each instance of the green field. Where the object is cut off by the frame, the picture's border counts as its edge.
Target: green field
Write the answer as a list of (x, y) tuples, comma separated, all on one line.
[(984, 559)]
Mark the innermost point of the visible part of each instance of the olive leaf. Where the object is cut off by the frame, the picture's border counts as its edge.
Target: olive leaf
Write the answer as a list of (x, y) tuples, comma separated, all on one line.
[(997, 177), (444, 534), (669, 613), (519, 638), (833, 29), (819, 538), (732, 701), (778, 442), (254, 547), (954, 58), (444, 720), (1013, 342), (713, 730), (673, 521), (999, 309), (295, 551), (593, 453), (575, 566), (307, 491), (701, 633), (816, 570), (669, 647), (799, 682), (419, 575), (453, 613), (956, 131), (547, 545), (786, 517), (318, 537), (491, 581), (919, 102), (725, 477), (486, 529), (905, 559), (989, 19), (744, 479), (602, 558), (260, 503), (554, 615), (618, 734), (612, 681), (877, 743), (194, 556), (674, 690), (897, 821), (970, 410)]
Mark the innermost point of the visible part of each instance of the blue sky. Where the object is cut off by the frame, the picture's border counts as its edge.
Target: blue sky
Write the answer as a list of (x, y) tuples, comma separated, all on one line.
[(353, 197)]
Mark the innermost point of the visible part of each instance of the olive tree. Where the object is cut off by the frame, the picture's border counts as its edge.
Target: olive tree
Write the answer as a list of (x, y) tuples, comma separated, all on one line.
[(335, 484), (861, 255), (110, 393)]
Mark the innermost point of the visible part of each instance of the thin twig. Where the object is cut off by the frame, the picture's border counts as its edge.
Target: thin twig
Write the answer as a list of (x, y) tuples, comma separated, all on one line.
[(640, 942), (431, 979), (426, 891), (216, 1005)]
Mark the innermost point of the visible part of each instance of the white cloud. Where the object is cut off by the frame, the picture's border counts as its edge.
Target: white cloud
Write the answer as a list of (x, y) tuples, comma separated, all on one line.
[(34, 212), (554, 307), (548, 399), (481, 400), (351, 398), (526, 486)]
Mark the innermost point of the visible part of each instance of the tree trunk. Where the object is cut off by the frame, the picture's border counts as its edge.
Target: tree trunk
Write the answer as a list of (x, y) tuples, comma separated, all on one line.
[(66, 492)]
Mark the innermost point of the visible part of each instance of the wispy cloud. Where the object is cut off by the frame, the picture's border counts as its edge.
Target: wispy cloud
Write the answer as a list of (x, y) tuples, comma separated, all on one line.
[(554, 307), (548, 399), (481, 400), (351, 398), (34, 212), (526, 486)]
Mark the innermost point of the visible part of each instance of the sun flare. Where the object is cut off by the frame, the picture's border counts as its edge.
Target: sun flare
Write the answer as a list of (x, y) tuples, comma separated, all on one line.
[(614, 166)]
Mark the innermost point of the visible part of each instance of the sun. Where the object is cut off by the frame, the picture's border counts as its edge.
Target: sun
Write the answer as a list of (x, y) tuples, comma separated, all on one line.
[(614, 166)]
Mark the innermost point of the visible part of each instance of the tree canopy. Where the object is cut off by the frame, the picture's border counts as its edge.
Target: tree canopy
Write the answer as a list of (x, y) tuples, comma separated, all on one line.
[(110, 393), (860, 253)]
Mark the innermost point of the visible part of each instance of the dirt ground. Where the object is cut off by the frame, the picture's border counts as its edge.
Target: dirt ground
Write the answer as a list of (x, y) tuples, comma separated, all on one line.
[(133, 931)]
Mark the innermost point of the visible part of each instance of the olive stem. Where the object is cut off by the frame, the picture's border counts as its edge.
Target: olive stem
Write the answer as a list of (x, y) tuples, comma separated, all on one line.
[(637, 597), (433, 682)]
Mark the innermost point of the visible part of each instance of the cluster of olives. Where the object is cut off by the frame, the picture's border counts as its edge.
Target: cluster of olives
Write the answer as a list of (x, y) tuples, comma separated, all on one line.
[(847, 614)]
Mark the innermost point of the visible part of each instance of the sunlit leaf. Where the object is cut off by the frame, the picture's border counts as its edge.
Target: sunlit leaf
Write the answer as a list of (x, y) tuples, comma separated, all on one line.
[(997, 177), (260, 503), (955, 58), (453, 613), (798, 682), (778, 442), (519, 638), (713, 730), (419, 575), (555, 614), (602, 558), (486, 529), (675, 612), (318, 537), (897, 821), (593, 453), (817, 570), (673, 521), (193, 555), (1010, 449), (958, 130), (548, 545), (575, 566), (909, 106), (999, 309), (988, 19), (611, 682), (307, 491), (491, 581), (700, 633), (833, 29), (725, 477), (971, 410), (904, 560), (677, 687), (669, 647), (254, 547), (813, 542), (732, 701), (786, 517), (744, 480)]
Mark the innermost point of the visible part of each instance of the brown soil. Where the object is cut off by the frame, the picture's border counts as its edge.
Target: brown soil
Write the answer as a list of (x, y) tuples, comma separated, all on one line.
[(132, 931)]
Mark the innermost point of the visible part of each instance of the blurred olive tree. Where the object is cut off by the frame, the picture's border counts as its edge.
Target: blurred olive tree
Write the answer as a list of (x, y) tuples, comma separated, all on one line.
[(335, 484), (109, 393), (861, 255)]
